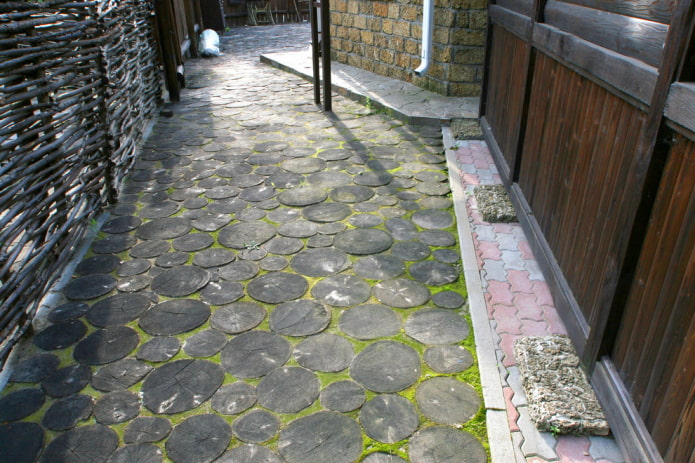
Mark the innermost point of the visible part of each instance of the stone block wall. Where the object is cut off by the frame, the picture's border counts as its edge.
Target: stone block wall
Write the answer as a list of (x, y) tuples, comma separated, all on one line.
[(384, 37)]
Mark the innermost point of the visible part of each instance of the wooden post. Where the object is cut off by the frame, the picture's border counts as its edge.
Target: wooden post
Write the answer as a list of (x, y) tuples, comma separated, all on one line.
[(326, 54), (168, 48)]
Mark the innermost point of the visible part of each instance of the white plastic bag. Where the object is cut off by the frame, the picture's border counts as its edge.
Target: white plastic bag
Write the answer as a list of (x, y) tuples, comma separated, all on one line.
[(209, 43)]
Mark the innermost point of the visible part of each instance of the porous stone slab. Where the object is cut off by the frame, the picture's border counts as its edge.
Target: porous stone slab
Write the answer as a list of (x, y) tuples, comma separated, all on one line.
[(436, 326), (288, 389), (67, 380), (494, 204), (386, 366), (86, 444), (159, 349), (146, 429), (370, 321), (65, 413), (120, 375), (389, 418), (174, 317), (324, 352), (21, 442), (321, 437), (106, 345), (200, 438), (342, 396), (181, 385), (447, 400), (444, 444), (234, 398), (560, 398), (277, 287), (20, 404), (256, 427), (342, 290), (249, 453), (448, 359), (255, 354)]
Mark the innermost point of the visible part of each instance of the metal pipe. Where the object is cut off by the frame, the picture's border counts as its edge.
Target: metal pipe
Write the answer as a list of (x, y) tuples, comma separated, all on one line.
[(426, 47)]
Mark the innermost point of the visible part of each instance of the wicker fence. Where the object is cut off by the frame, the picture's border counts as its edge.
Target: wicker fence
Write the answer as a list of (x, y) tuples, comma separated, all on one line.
[(78, 82)]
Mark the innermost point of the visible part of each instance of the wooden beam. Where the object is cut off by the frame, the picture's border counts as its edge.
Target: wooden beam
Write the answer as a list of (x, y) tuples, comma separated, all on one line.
[(679, 105), (516, 23)]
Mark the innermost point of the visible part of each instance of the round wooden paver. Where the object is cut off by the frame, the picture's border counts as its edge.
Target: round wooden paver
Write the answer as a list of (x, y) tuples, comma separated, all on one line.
[(298, 229), (389, 418), (234, 398), (288, 389), (401, 229), (101, 263), (401, 293), (205, 343), (146, 429), (249, 453), (257, 193), (20, 404), (114, 244), (180, 281), (89, 287), (284, 245), (237, 317), (302, 317), (255, 354), (120, 375), (21, 442), (434, 273), (285, 180), (351, 194), (117, 310), (410, 251), (327, 212), (342, 290), (363, 241), (433, 219), (437, 238), (380, 457), (447, 256), (116, 407), (174, 317), (68, 311), (373, 179), (324, 352), (343, 396), (142, 453), (193, 242), (277, 287), (239, 271), (241, 235), (159, 349), (213, 257), (447, 400), (386, 366), (321, 437), (379, 267), (448, 300), (164, 229), (256, 427), (67, 380), (106, 345), (60, 335), (171, 259), (159, 210), (436, 326), (365, 220), (200, 438), (222, 292), (181, 385), (302, 196), (150, 249), (65, 413), (86, 444), (34, 369), (370, 321), (448, 359), (133, 267), (442, 444)]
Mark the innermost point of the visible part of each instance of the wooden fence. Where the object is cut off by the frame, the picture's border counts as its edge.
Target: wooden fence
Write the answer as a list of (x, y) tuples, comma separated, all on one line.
[(588, 107), (78, 82)]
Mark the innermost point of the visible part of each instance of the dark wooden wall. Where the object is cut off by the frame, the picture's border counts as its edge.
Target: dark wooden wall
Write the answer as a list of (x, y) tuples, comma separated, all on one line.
[(589, 110)]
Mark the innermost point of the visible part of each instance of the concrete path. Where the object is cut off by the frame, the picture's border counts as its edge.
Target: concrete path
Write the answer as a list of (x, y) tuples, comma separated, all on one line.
[(275, 284)]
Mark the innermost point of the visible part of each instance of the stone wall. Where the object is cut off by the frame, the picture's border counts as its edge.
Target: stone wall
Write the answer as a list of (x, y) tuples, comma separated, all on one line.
[(384, 37)]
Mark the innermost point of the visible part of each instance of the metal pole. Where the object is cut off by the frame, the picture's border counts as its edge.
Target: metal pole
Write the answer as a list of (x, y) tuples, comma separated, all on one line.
[(315, 52), (326, 54)]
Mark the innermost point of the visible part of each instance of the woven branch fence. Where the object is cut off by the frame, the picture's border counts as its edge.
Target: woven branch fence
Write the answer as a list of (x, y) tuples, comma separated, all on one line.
[(78, 82)]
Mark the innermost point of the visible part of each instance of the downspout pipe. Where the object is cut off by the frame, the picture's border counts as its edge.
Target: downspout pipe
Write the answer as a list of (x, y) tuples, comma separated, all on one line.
[(427, 28)]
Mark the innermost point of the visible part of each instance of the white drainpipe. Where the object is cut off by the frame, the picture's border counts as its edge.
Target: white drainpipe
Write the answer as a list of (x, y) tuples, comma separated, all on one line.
[(427, 27)]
